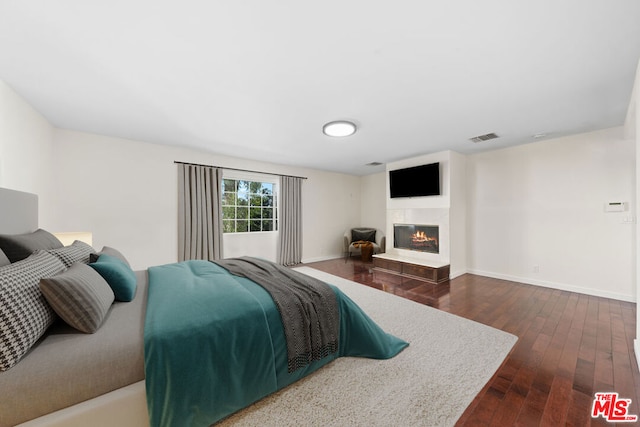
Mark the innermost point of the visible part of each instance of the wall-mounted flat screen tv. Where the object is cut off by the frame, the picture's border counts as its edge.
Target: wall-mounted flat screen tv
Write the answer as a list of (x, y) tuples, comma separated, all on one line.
[(417, 181)]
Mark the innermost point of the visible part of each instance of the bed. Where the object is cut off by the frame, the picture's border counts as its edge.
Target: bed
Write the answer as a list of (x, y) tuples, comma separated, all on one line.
[(134, 357)]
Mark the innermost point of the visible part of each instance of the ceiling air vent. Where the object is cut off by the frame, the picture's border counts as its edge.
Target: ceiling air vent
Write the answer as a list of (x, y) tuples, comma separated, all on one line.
[(373, 164), (481, 138)]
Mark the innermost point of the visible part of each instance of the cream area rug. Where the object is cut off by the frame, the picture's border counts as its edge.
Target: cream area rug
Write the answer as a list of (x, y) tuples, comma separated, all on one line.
[(430, 383)]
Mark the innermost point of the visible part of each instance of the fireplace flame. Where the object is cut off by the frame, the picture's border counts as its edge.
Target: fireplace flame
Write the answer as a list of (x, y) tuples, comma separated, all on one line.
[(421, 237)]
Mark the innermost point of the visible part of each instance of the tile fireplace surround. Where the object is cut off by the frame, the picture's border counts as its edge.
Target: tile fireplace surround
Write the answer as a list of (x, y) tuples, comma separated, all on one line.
[(427, 217)]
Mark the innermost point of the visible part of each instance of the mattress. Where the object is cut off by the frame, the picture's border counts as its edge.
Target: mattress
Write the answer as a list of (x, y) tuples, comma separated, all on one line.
[(67, 367)]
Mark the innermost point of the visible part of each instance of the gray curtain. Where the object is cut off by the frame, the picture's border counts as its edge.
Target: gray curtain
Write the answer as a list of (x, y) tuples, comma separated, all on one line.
[(199, 212), (290, 221)]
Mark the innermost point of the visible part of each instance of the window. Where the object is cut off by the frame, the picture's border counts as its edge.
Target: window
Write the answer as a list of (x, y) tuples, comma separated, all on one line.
[(248, 206)]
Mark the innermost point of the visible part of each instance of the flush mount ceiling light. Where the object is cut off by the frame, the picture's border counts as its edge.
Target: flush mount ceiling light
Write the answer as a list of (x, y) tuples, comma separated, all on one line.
[(339, 128)]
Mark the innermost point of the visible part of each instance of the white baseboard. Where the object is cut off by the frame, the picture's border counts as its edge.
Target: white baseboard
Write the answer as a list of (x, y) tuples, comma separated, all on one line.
[(321, 258), (554, 285), (456, 273), (636, 350)]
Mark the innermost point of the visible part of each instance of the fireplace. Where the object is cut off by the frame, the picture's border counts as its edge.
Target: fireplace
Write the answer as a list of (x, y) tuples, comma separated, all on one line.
[(416, 237)]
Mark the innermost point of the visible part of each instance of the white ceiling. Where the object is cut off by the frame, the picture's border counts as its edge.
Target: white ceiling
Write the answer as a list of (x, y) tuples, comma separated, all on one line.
[(258, 79)]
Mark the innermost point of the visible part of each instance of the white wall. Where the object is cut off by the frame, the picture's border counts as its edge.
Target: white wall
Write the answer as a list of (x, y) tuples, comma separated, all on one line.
[(331, 206), (458, 214), (125, 192), (373, 212), (635, 99), (631, 132), (536, 214), (25, 149)]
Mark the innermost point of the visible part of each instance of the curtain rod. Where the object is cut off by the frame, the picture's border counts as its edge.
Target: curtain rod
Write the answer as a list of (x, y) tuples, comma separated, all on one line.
[(240, 170)]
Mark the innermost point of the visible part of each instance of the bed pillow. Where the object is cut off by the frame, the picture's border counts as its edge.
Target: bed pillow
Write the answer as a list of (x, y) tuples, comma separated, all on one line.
[(19, 246), (24, 312), (367, 235), (118, 275), (80, 296), (3, 259), (78, 251), (106, 250)]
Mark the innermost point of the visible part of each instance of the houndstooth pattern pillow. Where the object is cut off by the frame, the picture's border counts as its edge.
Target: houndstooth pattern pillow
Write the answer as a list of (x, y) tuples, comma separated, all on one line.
[(78, 251), (24, 313)]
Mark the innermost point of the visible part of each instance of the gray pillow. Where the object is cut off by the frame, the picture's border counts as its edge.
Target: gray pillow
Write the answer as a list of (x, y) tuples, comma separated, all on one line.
[(78, 251), (80, 296), (24, 313), (106, 250), (3, 259), (19, 246)]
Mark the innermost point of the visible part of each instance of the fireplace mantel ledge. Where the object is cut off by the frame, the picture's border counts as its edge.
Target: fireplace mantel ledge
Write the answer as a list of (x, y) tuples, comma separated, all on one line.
[(411, 260)]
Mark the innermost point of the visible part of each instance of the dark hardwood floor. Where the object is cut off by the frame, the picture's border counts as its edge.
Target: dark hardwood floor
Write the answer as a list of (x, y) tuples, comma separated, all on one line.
[(570, 346)]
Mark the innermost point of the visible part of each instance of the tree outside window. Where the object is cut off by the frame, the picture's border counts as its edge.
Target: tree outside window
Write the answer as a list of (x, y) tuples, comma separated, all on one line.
[(248, 206)]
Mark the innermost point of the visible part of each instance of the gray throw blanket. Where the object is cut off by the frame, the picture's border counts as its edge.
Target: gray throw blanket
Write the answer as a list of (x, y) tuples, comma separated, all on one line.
[(308, 308)]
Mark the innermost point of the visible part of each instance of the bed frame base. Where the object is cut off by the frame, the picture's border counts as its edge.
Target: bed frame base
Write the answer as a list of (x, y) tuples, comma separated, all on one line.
[(125, 407)]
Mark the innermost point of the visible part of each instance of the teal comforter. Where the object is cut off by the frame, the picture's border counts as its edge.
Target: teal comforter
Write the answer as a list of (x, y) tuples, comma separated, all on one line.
[(214, 343)]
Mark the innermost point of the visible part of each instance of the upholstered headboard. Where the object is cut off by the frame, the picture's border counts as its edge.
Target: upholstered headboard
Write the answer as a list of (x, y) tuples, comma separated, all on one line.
[(18, 212)]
